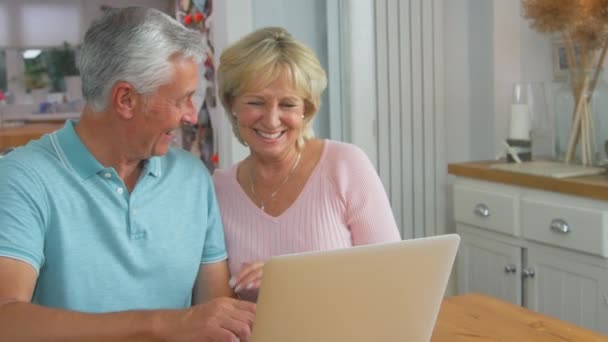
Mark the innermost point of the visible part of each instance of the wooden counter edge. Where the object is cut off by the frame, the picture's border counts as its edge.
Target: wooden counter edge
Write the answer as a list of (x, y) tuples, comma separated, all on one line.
[(11, 137), (595, 187)]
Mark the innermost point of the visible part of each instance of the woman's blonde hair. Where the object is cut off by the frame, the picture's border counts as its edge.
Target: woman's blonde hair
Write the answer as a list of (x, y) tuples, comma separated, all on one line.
[(258, 59)]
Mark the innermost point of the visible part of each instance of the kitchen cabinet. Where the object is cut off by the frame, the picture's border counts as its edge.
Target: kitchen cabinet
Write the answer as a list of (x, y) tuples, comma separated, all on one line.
[(560, 286), (545, 250), (489, 266)]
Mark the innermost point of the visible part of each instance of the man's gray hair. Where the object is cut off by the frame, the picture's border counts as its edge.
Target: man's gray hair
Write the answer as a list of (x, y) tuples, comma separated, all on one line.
[(134, 45)]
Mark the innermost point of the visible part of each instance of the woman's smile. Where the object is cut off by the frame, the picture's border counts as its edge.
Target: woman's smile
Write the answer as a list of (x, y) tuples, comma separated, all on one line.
[(269, 135)]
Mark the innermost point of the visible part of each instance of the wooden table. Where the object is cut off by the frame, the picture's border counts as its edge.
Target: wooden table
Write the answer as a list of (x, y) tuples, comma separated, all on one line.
[(475, 317), (20, 135)]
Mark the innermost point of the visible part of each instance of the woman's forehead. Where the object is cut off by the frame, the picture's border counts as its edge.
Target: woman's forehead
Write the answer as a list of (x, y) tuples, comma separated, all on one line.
[(280, 78)]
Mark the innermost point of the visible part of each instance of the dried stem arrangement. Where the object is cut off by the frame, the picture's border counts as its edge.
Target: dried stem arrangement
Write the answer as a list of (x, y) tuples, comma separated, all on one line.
[(583, 26)]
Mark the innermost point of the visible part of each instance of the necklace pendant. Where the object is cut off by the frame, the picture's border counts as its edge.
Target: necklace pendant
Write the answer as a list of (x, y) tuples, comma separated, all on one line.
[(252, 188)]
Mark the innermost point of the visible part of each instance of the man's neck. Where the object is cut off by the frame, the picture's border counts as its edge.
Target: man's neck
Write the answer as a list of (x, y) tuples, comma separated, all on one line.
[(106, 139)]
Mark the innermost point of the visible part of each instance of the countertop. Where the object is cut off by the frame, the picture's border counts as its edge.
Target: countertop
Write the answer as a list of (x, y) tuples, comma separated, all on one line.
[(56, 117), (20, 135), (476, 317), (595, 187)]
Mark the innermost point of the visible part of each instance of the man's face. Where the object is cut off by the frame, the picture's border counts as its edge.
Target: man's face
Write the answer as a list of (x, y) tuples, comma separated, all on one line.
[(166, 110)]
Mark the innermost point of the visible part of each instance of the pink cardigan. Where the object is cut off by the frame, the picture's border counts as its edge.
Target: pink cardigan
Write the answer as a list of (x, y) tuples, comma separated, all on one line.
[(343, 204)]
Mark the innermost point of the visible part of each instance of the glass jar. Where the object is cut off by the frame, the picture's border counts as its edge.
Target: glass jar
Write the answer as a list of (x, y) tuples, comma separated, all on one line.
[(592, 132), (531, 96)]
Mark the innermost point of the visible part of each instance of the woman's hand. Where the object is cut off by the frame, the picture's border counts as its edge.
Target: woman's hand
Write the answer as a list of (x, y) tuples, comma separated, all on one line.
[(249, 277)]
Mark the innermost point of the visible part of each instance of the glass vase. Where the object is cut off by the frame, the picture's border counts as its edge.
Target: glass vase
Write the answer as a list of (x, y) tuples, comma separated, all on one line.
[(532, 96), (581, 118)]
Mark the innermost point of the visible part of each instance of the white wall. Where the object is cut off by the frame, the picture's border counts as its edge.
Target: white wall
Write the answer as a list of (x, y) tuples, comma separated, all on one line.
[(489, 47), (231, 20), (362, 123), (457, 80)]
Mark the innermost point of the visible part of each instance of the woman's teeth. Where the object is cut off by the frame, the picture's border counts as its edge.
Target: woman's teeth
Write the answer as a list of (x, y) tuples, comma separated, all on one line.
[(268, 135)]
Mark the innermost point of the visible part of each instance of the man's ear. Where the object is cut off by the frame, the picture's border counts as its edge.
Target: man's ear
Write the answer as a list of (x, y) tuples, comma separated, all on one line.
[(125, 99)]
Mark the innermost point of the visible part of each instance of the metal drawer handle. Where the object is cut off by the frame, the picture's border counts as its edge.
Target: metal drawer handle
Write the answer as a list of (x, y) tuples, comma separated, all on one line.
[(528, 272), (482, 210), (560, 226), (510, 268)]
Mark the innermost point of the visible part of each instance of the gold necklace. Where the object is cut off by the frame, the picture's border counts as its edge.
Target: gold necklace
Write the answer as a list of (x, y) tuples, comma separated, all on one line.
[(256, 197)]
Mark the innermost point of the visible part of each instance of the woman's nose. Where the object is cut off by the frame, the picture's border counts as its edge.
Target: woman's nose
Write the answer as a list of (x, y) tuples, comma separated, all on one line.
[(273, 115)]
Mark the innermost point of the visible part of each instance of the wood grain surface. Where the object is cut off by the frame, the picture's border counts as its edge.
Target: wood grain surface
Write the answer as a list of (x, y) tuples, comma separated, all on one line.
[(21, 135), (475, 317), (595, 186)]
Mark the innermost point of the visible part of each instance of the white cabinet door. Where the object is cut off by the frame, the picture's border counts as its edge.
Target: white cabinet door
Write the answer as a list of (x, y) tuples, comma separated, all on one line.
[(568, 289), (488, 266)]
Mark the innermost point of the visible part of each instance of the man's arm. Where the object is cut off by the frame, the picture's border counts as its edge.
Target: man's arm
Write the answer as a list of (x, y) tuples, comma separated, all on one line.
[(220, 319), (212, 282)]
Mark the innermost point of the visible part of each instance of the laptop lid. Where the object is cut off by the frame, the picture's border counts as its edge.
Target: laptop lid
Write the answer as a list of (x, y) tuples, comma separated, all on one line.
[(383, 292)]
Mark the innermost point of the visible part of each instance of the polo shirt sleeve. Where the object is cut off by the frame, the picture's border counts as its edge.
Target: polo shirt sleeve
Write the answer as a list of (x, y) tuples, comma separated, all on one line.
[(214, 248), (22, 219)]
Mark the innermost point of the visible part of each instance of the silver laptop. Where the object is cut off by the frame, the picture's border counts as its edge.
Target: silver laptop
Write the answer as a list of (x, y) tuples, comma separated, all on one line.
[(375, 293)]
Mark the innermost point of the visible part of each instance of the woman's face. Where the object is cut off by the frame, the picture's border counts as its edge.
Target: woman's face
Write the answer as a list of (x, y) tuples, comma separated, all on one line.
[(270, 119)]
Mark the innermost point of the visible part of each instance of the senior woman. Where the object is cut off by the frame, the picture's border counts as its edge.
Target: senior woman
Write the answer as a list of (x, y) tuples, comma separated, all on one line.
[(293, 193)]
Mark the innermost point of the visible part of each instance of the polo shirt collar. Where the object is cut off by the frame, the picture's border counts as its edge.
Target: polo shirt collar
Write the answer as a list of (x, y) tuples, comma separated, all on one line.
[(152, 166), (78, 157)]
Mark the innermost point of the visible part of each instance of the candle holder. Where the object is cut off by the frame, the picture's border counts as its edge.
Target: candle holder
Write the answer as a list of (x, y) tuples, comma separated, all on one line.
[(530, 126)]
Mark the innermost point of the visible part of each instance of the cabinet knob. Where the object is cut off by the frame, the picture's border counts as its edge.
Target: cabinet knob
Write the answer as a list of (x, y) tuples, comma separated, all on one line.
[(560, 226), (481, 210), (510, 268), (528, 272)]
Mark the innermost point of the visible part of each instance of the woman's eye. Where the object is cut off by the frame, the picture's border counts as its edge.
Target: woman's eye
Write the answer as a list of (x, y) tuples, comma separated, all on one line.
[(255, 103), (288, 105)]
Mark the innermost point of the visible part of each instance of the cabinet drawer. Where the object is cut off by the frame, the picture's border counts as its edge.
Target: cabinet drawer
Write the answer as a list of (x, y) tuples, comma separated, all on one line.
[(565, 225), (493, 210)]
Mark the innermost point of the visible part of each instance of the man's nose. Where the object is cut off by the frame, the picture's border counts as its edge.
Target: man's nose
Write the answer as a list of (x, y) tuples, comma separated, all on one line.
[(190, 117)]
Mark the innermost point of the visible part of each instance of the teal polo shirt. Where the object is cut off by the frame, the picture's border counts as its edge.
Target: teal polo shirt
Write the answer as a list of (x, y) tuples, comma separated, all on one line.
[(97, 247)]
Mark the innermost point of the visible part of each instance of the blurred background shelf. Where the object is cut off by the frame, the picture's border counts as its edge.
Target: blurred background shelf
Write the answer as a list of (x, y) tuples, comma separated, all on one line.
[(7, 119), (21, 135)]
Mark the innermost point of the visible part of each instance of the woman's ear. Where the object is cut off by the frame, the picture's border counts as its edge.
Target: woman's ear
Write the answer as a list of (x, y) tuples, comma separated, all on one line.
[(125, 99)]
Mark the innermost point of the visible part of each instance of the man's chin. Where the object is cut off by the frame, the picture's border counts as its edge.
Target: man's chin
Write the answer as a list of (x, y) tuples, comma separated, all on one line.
[(160, 151)]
